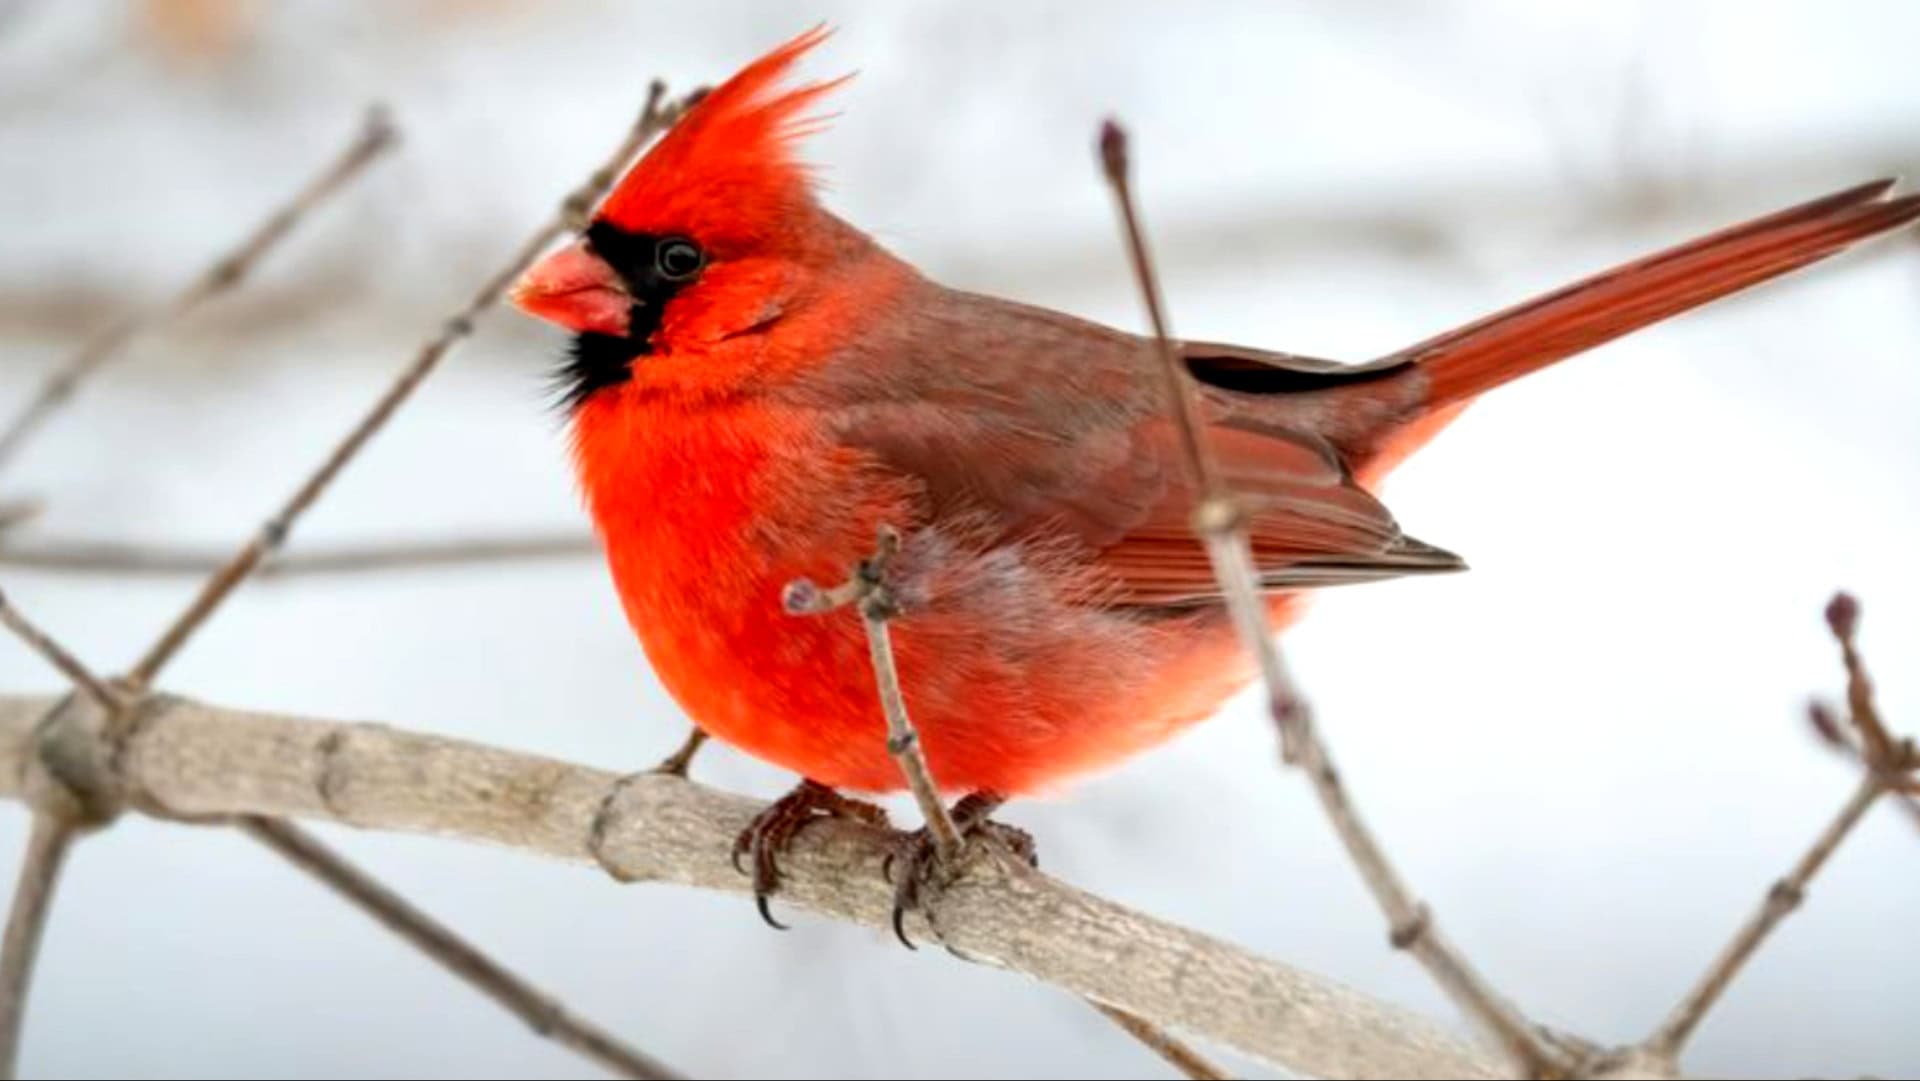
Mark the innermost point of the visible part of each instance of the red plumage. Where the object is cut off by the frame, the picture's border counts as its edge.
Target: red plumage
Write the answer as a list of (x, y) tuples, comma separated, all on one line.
[(752, 420)]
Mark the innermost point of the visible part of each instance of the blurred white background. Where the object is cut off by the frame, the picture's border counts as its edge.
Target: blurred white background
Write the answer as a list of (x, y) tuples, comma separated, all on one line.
[(1588, 753)]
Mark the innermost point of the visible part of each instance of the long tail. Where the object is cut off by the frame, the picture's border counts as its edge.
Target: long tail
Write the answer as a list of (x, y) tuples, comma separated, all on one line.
[(1462, 364)]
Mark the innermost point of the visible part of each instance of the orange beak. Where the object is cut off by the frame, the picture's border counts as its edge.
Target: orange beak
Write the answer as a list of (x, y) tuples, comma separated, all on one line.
[(576, 289)]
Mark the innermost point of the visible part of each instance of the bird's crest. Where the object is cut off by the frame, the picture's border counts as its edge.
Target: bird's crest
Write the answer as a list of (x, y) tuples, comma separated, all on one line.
[(727, 173)]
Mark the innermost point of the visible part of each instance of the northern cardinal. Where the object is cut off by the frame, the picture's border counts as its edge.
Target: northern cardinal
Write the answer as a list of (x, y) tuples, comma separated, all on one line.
[(756, 386)]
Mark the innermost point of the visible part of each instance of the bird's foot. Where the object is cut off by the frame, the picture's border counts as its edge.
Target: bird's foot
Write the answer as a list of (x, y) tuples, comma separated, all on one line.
[(773, 829), (914, 866), (676, 764)]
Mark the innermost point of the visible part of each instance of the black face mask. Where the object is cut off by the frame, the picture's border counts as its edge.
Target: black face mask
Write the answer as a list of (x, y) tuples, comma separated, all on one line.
[(653, 268)]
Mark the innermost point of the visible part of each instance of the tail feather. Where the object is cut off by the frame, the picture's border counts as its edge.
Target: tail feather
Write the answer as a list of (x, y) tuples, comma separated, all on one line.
[(1464, 363)]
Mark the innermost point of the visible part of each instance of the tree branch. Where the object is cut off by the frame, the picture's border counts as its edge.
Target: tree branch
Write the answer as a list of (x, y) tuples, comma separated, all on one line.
[(867, 592), (47, 846), (1784, 896), (59, 813), (1220, 521), (542, 1014), (111, 557), (376, 135), (1176, 1054), (1888, 764), (381, 903), (57, 655), (184, 759)]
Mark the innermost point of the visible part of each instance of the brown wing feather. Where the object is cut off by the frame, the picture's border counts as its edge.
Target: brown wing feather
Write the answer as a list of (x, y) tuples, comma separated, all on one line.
[(1049, 426)]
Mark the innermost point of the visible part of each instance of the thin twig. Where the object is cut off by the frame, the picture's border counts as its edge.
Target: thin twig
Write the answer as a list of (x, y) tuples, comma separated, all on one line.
[(1784, 896), (390, 909), (1177, 1054), (109, 557), (376, 135), (190, 759), (678, 762), (1888, 764), (58, 656), (57, 819), (868, 591), (26, 921), (546, 1017), (1219, 520), (903, 740), (272, 533), (1832, 735)]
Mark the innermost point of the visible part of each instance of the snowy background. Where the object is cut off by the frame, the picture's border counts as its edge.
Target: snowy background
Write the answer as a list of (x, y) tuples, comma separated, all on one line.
[(1587, 753)]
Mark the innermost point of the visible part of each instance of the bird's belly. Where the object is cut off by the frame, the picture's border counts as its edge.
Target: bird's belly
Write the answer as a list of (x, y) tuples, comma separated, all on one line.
[(1012, 688), (1014, 680)]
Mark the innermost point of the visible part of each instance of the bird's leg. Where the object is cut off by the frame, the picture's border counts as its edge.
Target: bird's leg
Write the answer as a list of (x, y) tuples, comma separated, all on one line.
[(913, 864), (774, 828), (676, 763)]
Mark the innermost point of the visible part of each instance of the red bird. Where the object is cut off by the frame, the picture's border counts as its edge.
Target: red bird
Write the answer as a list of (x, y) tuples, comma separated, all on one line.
[(756, 386)]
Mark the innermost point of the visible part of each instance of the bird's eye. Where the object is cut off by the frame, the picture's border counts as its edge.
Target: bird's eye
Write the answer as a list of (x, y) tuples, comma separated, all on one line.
[(678, 259)]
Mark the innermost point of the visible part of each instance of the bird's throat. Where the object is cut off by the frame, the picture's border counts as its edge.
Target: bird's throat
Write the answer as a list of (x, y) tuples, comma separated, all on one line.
[(597, 361)]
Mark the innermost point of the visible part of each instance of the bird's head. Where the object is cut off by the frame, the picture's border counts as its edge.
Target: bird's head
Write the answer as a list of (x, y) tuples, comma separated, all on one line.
[(709, 236)]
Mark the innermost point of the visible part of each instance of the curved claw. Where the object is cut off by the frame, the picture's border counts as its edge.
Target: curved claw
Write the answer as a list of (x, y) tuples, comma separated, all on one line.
[(774, 828), (763, 888), (919, 862)]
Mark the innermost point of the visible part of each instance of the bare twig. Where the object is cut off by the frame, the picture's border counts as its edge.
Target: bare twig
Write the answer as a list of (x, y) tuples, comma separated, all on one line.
[(1827, 726), (186, 759), (1784, 896), (53, 831), (60, 812), (417, 928), (271, 534), (375, 136), (58, 815), (58, 656), (391, 910), (1189, 1062), (46, 852), (867, 589), (1888, 764), (108, 557), (1219, 520), (542, 1014), (682, 757)]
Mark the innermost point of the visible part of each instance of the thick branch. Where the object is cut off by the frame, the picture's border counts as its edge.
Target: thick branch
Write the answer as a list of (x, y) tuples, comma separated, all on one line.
[(185, 758), (868, 592)]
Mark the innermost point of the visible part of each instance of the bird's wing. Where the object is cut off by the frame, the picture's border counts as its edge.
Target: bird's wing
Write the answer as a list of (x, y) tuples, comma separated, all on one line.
[(1049, 427)]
